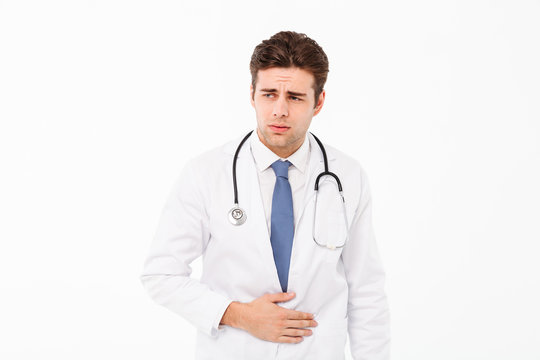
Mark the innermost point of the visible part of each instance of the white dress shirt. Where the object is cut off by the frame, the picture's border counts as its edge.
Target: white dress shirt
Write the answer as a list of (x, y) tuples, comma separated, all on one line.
[(264, 158)]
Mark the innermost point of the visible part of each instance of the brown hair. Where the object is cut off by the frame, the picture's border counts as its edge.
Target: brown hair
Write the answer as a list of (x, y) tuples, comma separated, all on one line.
[(291, 49)]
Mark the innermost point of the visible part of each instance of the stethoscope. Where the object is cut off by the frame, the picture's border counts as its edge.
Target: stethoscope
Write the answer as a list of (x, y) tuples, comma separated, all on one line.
[(238, 216)]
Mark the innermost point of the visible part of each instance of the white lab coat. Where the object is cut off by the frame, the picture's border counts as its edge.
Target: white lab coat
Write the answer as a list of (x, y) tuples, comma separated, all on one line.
[(343, 287)]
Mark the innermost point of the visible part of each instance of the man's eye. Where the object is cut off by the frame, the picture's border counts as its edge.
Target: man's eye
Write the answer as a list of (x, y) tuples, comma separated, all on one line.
[(268, 95), (295, 98)]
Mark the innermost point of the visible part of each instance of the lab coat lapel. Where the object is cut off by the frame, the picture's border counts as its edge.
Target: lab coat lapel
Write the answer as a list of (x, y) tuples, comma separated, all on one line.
[(250, 194)]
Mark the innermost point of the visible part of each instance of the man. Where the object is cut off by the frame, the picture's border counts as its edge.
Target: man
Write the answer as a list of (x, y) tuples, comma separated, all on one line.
[(301, 270)]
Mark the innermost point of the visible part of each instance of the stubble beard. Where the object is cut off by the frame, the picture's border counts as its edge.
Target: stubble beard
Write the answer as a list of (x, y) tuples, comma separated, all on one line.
[(281, 142)]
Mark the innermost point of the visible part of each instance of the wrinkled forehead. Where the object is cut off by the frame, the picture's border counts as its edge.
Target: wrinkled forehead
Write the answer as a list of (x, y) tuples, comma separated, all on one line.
[(291, 78)]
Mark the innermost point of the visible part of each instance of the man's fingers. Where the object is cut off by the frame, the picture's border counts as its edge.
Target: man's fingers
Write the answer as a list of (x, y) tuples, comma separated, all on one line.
[(296, 332), (280, 297), (298, 315), (300, 323), (290, 339)]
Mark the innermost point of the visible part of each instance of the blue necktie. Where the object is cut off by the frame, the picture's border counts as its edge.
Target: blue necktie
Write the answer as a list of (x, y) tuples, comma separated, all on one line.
[(282, 226)]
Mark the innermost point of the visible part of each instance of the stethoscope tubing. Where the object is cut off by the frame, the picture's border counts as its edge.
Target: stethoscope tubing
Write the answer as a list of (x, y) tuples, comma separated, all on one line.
[(234, 167), (325, 173), (237, 216)]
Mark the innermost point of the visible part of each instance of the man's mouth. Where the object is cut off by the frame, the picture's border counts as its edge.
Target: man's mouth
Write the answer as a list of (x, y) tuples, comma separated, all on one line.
[(279, 128)]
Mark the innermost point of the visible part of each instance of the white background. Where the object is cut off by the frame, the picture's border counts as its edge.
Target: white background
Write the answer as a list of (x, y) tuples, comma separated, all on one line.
[(102, 103)]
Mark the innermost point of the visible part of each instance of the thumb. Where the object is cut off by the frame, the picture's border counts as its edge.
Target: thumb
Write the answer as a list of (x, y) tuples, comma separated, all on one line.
[(281, 297)]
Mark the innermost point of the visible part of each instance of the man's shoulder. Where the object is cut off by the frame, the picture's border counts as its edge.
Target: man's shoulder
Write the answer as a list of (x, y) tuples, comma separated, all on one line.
[(343, 160), (226, 149), (207, 160), (350, 171)]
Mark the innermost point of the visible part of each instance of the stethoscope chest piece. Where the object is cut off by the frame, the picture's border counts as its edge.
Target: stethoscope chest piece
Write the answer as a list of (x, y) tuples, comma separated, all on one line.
[(237, 216)]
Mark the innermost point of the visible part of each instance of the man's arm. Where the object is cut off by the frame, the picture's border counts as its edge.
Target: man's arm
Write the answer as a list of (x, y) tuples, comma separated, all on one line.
[(368, 314), (181, 236)]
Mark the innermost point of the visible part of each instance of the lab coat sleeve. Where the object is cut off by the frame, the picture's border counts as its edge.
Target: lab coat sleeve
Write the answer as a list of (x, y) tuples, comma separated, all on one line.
[(367, 310), (181, 237)]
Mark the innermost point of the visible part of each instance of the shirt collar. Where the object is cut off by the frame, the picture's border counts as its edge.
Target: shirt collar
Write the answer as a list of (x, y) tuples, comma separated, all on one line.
[(264, 157)]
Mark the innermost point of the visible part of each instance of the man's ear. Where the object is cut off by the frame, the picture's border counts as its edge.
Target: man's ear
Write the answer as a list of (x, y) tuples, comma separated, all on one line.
[(251, 95), (320, 102)]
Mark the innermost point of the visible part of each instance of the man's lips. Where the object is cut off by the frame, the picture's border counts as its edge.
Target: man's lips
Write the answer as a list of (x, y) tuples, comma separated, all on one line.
[(279, 128)]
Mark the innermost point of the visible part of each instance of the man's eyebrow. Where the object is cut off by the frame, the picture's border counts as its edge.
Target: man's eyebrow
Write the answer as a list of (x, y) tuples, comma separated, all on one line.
[(293, 93)]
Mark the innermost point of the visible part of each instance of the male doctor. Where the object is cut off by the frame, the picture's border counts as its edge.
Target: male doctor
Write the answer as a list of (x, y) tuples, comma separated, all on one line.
[(303, 270)]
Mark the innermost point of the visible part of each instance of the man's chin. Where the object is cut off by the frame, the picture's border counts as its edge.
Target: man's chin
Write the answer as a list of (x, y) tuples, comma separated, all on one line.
[(278, 141), (275, 138)]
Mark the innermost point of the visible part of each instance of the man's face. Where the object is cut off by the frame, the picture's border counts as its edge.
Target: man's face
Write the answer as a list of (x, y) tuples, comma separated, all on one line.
[(284, 105)]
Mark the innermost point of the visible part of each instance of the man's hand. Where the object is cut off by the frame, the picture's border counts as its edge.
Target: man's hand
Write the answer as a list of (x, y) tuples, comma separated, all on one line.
[(267, 321)]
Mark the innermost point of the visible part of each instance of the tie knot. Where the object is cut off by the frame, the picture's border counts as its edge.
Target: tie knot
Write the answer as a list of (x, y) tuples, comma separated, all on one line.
[(281, 168)]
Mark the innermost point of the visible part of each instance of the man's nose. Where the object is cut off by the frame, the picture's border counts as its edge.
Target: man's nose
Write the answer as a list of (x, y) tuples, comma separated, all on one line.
[(280, 107)]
